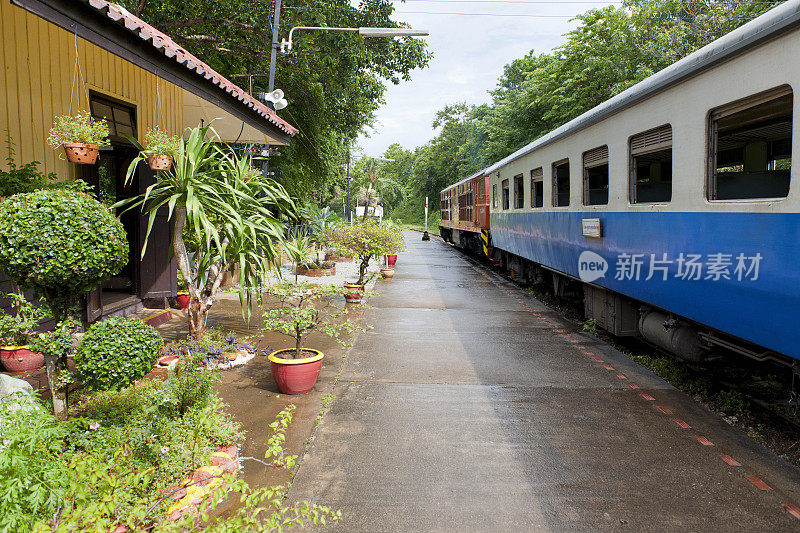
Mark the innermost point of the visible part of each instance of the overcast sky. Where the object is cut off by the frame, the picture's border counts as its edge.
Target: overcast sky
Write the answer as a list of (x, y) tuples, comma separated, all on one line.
[(469, 55)]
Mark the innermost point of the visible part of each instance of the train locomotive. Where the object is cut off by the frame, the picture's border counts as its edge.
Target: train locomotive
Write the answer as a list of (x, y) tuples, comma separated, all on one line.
[(673, 207)]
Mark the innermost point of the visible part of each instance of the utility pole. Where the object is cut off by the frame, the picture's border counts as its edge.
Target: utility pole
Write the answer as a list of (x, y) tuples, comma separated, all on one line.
[(349, 218), (273, 56)]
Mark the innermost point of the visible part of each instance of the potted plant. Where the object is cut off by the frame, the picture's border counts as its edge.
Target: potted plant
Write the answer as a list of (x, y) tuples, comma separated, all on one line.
[(16, 332), (301, 309), (364, 241), (298, 251), (80, 135), (182, 297), (160, 148)]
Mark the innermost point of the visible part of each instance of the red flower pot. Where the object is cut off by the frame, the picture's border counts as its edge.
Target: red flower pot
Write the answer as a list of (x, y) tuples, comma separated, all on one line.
[(20, 359), (356, 293), (391, 260), (183, 301), (295, 376)]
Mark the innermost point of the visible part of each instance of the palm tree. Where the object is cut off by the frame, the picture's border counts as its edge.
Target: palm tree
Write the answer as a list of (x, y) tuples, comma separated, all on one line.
[(231, 208)]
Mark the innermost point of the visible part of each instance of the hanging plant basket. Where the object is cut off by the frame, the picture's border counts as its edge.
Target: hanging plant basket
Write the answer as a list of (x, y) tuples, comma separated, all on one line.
[(159, 161), (85, 154)]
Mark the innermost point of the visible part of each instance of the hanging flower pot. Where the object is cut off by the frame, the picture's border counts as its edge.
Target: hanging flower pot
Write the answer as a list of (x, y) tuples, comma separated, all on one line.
[(20, 359), (81, 136), (296, 376), (159, 161), (85, 154)]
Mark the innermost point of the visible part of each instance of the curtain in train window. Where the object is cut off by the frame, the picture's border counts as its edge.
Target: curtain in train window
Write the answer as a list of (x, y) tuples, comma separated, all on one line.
[(651, 166), (537, 188), (595, 176), (561, 183), (505, 194), (519, 192), (751, 150)]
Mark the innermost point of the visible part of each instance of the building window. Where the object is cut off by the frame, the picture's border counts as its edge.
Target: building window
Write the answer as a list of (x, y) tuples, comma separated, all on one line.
[(494, 196), (505, 194), (751, 148), (537, 188), (595, 176), (519, 192), (121, 118), (651, 166), (561, 183)]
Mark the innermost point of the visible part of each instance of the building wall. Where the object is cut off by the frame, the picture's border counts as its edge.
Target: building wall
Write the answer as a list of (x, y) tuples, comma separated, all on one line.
[(36, 84)]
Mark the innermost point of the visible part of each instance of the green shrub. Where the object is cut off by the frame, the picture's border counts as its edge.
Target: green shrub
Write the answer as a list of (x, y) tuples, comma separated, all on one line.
[(732, 402), (61, 243), (365, 241), (116, 352)]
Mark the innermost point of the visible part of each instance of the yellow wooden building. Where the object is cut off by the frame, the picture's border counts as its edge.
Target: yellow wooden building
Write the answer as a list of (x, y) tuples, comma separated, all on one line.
[(65, 56)]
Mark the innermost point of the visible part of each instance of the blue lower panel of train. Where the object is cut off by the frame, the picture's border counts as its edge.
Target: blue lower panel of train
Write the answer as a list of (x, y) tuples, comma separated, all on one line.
[(738, 273)]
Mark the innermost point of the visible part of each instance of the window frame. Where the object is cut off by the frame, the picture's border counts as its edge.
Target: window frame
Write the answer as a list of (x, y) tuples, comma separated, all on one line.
[(732, 108), (555, 165), (659, 147), (505, 193), (519, 202), (603, 161), (537, 177)]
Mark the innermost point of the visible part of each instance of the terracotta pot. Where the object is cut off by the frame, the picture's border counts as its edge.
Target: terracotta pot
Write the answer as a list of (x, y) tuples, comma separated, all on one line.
[(295, 376), (81, 153), (356, 293), (20, 359), (183, 300), (391, 260), (338, 258), (159, 161), (316, 272), (387, 272)]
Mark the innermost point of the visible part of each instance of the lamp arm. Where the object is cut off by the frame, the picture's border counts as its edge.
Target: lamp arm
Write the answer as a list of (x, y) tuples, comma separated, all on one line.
[(286, 46)]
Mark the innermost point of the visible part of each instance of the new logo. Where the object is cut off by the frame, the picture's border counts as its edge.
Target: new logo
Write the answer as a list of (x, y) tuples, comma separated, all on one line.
[(591, 266)]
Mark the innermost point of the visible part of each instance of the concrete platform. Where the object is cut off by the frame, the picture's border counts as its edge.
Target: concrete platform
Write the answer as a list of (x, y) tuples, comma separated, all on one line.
[(471, 407)]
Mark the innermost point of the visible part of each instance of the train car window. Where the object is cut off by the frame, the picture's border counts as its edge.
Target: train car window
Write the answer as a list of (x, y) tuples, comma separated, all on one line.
[(519, 192), (595, 176), (537, 188), (505, 194), (561, 183), (651, 166), (494, 196), (751, 148)]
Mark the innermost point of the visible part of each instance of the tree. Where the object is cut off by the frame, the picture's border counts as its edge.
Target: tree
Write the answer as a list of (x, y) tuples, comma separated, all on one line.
[(334, 81), (234, 212), (62, 244)]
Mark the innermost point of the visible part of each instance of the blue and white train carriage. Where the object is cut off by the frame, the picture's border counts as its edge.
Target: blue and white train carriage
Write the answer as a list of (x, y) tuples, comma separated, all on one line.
[(675, 203)]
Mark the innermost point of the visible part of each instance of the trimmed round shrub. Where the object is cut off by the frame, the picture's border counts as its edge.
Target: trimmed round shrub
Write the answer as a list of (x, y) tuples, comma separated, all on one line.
[(116, 352), (61, 243)]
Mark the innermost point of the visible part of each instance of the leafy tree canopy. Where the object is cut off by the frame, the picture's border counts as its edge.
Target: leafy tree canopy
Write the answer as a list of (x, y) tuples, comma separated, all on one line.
[(334, 81)]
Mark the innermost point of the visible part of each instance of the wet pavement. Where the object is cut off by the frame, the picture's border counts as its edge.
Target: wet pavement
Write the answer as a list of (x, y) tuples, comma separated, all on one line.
[(473, 407)]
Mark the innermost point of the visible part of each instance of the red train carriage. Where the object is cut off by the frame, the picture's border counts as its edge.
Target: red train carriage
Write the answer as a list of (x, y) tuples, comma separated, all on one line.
[(465, 213)]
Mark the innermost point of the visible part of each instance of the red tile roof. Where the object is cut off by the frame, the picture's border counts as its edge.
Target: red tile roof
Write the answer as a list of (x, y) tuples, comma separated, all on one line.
[(171, 49)]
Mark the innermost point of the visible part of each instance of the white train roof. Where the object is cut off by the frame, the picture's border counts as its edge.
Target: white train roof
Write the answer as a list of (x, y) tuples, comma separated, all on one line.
[(771, 24), (470, 177)]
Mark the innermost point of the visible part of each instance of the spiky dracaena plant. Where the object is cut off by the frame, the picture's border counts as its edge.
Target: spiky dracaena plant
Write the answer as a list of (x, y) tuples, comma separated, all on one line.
[(235, 216)]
